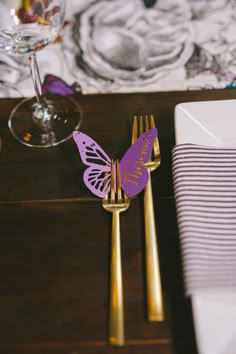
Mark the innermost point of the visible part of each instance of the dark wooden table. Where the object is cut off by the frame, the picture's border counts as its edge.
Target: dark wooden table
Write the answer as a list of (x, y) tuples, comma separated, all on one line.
[(55, 239)]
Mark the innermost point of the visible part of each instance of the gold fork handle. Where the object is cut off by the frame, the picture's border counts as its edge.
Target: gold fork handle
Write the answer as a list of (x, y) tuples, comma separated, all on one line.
[(116, 335), (153, 279)]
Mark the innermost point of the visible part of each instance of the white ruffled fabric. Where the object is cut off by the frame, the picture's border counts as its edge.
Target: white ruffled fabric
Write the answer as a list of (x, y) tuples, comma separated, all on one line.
[(122, 46)]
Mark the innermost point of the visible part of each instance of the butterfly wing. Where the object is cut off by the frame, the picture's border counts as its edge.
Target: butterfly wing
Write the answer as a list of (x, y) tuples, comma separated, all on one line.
[(134, 176), (97, 176), (97, 180), (55, 85)]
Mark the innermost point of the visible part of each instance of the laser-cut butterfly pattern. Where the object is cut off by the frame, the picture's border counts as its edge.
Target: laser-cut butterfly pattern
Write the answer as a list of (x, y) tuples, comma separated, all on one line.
[(134, 175)]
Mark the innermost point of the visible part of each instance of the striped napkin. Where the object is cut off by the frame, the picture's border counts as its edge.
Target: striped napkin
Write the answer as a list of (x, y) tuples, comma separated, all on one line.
[(205, 195)]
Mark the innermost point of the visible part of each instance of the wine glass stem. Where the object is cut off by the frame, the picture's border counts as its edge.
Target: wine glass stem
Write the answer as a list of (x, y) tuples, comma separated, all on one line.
[(34, 69), (42, 113)]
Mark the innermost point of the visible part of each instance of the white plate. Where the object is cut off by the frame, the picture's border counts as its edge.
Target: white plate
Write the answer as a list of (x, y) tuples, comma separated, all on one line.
[(210, 123)]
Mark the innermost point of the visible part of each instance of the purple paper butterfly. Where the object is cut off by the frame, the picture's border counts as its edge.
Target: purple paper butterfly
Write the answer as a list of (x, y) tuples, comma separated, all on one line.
[(54, 85), (134, 175)]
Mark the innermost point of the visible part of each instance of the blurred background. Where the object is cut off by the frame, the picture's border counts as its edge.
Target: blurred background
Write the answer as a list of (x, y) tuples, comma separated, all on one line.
[(120, 46)]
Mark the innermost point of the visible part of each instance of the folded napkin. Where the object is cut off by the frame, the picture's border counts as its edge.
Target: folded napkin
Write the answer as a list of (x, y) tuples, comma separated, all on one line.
[(205, 195)]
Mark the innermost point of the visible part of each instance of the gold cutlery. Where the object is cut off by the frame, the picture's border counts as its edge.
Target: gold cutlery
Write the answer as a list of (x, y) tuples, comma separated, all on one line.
[(115, 203), (153, 279)]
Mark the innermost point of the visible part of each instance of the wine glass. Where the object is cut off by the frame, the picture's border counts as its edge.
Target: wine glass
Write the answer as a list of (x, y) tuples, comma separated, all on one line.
[(26, 27)]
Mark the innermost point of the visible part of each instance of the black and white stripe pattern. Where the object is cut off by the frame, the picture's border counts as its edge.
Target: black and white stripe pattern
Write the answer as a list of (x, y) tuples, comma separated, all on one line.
[(205, 196)]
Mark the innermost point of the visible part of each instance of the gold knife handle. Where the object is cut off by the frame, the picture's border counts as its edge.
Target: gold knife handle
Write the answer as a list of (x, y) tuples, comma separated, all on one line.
[(116, 335), (153, 278)]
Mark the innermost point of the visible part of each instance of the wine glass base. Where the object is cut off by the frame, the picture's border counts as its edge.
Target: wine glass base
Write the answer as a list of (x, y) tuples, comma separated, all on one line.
[(35, 125)]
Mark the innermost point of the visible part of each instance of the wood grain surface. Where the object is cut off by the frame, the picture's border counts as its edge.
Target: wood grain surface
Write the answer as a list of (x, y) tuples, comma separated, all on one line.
[(55, 239)]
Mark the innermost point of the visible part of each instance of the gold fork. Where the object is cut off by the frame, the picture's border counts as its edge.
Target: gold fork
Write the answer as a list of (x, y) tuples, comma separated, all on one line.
[(153, 279), (116, 202)]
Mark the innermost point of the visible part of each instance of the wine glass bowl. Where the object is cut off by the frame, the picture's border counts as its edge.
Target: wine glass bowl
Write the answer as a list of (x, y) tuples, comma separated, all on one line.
[(26, 27), (30, 29)]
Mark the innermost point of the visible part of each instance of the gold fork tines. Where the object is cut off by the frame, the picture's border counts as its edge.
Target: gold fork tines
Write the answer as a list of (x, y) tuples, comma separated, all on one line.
[(116, 202), (153, 280)]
